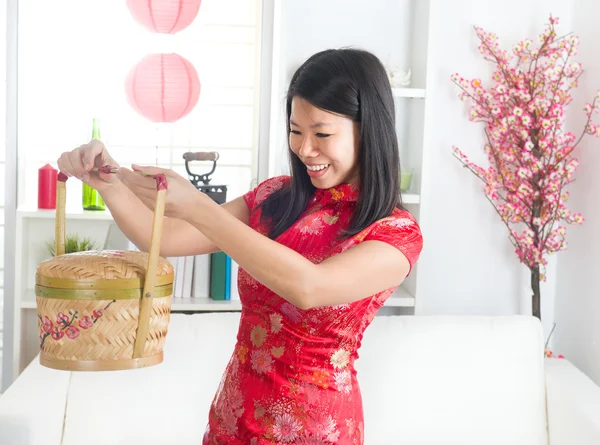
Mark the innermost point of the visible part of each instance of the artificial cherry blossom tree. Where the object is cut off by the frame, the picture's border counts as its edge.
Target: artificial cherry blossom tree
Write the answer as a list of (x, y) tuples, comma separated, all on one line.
[(530, 154)]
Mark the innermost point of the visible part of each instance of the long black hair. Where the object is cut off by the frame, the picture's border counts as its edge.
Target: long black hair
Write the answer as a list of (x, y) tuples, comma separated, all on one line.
[(353, 83)]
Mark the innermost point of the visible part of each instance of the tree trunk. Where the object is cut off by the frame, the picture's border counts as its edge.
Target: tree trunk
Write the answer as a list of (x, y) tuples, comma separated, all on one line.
[(536, 212), (535, 287)]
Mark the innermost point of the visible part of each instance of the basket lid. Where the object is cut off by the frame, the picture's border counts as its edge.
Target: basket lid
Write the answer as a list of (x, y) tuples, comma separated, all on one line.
[(101, 269)]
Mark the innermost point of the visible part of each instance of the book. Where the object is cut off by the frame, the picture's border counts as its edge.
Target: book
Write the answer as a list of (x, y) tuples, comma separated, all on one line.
[(227, 277), (218, 271), (235, 295), (201, 277)]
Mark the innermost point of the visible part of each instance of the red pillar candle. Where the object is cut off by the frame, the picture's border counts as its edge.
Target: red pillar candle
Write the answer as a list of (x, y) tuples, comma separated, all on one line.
[(47, 187)]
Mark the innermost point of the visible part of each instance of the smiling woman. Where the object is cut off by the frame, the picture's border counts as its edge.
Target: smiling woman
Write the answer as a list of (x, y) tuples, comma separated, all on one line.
[(319, 253), (320, 140), (341, 114)]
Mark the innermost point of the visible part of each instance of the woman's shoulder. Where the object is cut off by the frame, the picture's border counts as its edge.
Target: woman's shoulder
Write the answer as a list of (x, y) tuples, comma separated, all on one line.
[(400, 230), (400, 223), (264, 189), (401, 217)]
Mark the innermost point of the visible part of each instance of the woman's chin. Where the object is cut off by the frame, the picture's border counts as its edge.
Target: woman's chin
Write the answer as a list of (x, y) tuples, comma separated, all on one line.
[(321, 181)]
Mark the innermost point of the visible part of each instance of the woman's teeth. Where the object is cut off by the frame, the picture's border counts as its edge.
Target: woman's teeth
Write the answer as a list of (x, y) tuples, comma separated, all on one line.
[(316, 168)]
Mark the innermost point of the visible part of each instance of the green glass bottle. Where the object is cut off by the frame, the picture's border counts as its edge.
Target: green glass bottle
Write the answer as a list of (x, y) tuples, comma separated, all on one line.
[(91, 198)]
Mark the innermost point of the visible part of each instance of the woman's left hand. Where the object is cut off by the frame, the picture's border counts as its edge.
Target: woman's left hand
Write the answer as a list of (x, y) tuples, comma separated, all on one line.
[(181, 198)]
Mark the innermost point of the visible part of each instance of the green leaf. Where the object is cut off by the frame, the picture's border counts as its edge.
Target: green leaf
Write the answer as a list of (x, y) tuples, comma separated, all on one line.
[(74, 244)]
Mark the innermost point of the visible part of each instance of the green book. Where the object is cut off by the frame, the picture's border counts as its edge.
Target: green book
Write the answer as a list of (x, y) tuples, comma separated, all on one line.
[(218, 272)]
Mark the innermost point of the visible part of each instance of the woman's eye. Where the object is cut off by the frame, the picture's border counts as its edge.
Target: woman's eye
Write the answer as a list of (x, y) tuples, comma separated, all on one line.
[(323, 135), (295, 132)]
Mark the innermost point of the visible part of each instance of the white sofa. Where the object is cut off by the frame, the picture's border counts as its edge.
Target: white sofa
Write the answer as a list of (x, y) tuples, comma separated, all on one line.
[(425, 380)]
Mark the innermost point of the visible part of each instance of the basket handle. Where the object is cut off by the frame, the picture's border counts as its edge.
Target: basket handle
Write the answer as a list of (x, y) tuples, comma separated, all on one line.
[(153, 257), (61, 200), (153, 254)]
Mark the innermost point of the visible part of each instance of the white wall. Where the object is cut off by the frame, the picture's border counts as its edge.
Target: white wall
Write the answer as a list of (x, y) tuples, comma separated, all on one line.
[(383, 27), (577, 334), (468, 265)]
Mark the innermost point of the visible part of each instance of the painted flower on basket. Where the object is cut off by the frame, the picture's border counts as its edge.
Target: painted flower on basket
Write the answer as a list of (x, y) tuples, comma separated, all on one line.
[(65, 324), (62, 319), (86, 322), (46, 324), (72, 332)]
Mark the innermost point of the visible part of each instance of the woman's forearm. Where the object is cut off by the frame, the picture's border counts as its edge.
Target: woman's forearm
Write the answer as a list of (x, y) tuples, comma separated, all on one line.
[(134, 219), (281, 269), (358, 272)]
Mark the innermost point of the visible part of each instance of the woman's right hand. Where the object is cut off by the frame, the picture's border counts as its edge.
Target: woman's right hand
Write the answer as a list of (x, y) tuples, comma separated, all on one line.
[(80, 161)]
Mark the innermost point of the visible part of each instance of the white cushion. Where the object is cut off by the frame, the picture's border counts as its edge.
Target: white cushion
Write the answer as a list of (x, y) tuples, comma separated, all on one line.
[(424, 380), (33, 407), (573, 405), (453, 381), (163, 404)]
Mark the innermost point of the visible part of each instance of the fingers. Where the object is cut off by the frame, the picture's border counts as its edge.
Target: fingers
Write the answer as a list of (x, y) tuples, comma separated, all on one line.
[(134, 180), (151, 170), (95, 149), (64, 164), (70, 163), (81, 160), (141, 186)]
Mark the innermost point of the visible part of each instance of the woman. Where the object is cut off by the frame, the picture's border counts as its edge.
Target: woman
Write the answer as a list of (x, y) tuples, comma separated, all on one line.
[(319, 252)]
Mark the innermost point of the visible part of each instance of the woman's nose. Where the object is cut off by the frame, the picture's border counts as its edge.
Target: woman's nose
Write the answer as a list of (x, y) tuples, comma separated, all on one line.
[(308, 148)]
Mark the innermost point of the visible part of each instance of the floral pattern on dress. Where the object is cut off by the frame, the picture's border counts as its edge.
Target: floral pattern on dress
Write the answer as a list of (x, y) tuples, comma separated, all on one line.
[(291, 378)]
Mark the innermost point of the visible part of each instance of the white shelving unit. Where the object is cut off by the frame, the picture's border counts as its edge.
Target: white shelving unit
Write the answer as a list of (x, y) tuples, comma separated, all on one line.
[(71, 214), (409, 92)]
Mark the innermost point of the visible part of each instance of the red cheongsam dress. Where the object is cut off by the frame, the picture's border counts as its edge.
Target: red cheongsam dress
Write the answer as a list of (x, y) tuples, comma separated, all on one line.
[(291, 377)]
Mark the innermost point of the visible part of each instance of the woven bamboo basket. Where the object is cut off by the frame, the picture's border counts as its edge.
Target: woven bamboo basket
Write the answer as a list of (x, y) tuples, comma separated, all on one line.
[(100, 310)]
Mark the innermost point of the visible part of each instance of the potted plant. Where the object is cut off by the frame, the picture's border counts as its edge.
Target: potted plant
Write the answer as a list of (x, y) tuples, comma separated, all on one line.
[(530, 154), (74, 244)]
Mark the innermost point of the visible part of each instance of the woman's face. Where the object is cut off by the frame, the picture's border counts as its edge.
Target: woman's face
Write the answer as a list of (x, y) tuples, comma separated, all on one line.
[(326, 143)]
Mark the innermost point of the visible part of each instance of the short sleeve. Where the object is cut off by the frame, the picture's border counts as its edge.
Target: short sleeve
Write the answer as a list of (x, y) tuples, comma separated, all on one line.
[(257, 195), (401, 231)]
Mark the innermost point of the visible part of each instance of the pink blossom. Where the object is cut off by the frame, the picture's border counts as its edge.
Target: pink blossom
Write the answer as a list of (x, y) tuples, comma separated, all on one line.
[(47, 324), (86, 322), (72, 332), (56, 333), (62, 319), (530, 154)]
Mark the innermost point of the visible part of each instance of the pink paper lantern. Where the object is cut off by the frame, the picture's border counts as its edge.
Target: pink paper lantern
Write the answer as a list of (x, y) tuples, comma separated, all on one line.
[(163, 87), (164, 16)]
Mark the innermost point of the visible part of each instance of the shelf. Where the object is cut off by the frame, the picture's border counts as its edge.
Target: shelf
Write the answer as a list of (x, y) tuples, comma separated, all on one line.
[(28, 305), (409, 92), (31, 212), (400, 298), (205, 305), (410, 198), (179, 304)]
